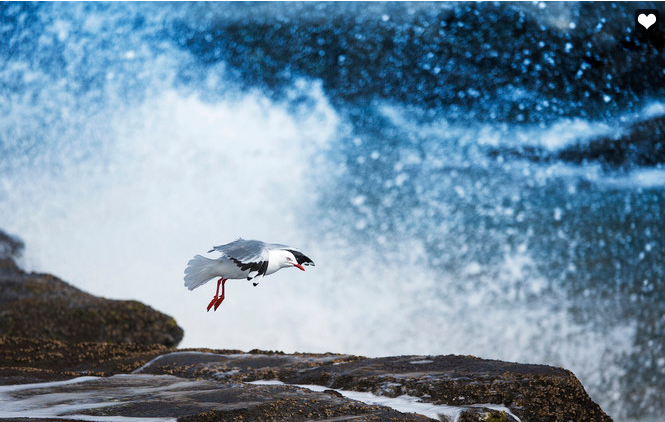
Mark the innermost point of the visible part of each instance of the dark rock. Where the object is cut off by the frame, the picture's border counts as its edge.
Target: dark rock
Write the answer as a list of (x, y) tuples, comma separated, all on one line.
[(118, 394), (532, 392), (29, 360), (483, 414), (43, 306), (159, 396), (208, 385)]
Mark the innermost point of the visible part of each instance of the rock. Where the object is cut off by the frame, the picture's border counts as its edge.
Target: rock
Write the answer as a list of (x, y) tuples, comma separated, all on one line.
[(209, 385), (100, 376), (29, 360), (43, 306), (483, 414), (163, 396), (531, 392)]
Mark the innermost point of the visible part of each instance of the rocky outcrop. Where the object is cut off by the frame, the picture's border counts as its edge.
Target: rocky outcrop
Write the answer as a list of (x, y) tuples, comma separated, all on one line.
[(531, 392), (167, 398), (29, 360), (215, 385), (43, 306)]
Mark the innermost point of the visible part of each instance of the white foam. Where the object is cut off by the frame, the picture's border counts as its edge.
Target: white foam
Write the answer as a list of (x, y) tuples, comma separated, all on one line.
[(651, 110), (554, 136), (33, 386), (645, 178), (160, 357), (403, 403), (50, 400)]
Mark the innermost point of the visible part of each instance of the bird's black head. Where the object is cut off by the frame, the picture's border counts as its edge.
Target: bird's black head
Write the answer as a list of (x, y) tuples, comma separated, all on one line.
[(301, 258)]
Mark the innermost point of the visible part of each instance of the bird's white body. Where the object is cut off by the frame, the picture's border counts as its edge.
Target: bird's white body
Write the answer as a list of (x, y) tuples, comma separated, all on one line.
[(243, 259), (204, 269)]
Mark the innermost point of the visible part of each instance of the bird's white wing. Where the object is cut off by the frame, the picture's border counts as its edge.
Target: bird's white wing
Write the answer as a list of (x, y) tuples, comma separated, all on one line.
[(252, 255)]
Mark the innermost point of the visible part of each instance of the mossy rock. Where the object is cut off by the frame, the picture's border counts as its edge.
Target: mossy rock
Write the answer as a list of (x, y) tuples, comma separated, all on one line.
[(43, 306)]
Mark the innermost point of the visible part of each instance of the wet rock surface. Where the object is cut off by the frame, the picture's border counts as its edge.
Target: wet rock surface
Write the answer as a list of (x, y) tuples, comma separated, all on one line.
[(207, 385), (169, 397), (531, 392)]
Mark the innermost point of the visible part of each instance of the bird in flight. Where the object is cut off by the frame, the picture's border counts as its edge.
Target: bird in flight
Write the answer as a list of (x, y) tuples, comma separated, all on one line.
[(242, 259)]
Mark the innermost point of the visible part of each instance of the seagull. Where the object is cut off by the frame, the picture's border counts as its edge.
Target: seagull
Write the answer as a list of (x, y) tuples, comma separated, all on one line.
[(242, 259)]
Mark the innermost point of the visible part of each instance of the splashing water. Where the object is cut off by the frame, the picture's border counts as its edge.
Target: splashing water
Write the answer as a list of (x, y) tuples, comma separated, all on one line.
[(135, 136)]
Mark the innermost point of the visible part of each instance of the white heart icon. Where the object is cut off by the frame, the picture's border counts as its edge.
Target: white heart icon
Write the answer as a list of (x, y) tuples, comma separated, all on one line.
[(646, 20)]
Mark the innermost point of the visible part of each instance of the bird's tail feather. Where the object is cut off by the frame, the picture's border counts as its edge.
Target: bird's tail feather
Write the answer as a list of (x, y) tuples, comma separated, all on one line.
[(199, 271)]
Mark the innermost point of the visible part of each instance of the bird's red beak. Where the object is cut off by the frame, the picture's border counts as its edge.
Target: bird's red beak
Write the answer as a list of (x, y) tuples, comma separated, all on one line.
[(299, 266)]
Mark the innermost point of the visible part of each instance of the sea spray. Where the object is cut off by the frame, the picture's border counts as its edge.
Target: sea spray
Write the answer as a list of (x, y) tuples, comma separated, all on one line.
[(133, 136)]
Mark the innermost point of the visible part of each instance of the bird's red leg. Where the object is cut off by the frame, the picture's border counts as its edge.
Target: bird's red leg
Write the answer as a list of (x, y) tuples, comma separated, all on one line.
[(214, 299), (221, 298)]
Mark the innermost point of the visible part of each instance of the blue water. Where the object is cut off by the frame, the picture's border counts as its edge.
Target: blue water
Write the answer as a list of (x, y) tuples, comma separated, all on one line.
[(412, 150)]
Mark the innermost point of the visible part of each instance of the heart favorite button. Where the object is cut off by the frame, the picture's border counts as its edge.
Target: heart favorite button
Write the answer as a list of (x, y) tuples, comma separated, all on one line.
[(646, 20)]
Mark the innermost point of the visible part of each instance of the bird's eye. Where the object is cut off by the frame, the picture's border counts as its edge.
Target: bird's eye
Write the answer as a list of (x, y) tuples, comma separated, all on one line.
[(288, 259)]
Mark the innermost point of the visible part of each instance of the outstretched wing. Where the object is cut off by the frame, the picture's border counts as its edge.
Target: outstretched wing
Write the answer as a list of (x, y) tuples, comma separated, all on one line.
[(252, 255), (300, 257)]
